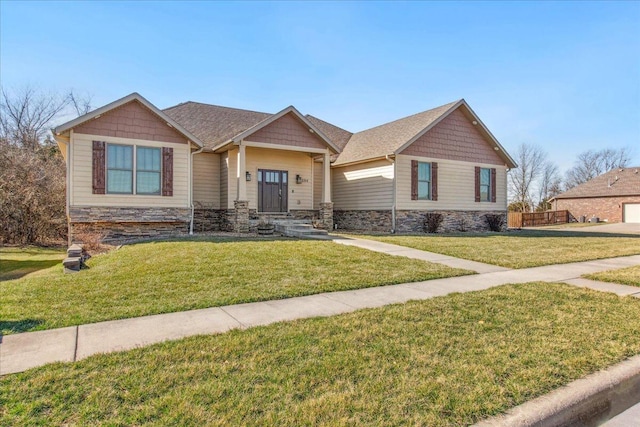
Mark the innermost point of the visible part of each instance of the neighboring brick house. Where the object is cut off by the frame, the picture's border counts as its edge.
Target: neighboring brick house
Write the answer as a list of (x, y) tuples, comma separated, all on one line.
[(613, 196), (136, 170)]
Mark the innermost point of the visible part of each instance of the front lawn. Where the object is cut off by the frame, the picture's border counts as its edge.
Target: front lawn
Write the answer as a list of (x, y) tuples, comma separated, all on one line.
[(624, 276), (521, 249), (17, 262), (446, 361), (162, 277)]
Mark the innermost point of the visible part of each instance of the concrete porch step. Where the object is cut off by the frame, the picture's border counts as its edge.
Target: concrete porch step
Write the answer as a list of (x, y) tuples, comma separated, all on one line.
[(298, 228)]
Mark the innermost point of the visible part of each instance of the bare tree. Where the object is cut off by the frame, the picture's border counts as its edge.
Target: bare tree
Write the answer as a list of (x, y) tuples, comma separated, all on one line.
[(590, 164), (81, 104), (531, 161), (32, 171), (25, 116), (550, 185)]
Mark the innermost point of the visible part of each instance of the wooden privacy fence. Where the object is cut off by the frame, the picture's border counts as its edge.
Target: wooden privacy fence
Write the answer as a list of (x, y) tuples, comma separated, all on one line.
[(534, 219)]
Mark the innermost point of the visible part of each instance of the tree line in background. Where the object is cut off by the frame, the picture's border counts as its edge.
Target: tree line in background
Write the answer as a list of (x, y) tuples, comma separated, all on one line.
[(32, 170), (537, 178)]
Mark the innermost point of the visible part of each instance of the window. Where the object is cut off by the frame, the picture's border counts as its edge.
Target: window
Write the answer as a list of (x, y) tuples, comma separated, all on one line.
[(485, 184), (119, 169), (120, 172), (147, 170), (424, 181)]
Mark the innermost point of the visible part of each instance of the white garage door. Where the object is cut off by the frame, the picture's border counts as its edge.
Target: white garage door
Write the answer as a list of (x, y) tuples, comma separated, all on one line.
[(631, 212)]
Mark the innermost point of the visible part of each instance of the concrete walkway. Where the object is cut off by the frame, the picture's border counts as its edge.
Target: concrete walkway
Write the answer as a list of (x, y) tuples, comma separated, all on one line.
[(20, 352)]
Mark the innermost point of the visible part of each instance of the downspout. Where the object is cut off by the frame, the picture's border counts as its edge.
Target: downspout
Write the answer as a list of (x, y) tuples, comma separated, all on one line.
[(191, 189), (393, 189)]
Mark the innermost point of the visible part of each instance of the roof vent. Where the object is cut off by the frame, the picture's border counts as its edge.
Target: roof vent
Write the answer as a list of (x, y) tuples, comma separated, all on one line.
[(474, 122)]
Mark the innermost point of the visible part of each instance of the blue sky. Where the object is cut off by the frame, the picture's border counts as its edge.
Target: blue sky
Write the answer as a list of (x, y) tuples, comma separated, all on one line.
[(562, 75)]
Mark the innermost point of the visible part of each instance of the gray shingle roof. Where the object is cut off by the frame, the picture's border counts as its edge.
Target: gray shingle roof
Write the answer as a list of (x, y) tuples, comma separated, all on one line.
[(617, 182), (387, 138), (214, 124), (336, 134)]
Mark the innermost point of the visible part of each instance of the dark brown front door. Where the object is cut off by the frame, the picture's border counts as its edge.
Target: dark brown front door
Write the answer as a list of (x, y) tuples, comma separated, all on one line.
[(272, 190)]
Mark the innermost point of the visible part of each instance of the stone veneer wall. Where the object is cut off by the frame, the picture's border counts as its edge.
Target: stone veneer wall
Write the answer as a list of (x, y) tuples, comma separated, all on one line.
[(111, 224), (206, 220), (362, 220), (112, 232), (452, 221), (413, 221)]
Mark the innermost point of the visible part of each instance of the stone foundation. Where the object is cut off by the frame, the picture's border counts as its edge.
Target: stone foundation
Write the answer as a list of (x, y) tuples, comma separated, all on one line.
[(206, 220), (413, 221), (113, 232), (452, 221), (363, 220), (112, 224)]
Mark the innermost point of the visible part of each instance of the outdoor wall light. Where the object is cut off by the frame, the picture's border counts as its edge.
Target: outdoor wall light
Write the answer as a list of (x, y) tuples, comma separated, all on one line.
[(247, 175), (298, 179)]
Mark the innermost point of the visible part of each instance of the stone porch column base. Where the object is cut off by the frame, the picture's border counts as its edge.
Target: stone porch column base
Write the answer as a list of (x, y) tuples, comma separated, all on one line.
[(326, 215), (241, 220)]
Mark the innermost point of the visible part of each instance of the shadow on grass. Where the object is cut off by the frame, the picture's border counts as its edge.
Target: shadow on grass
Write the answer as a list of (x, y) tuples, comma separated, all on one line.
[(513, 233), (213, 239), (15, 269), (18, 326)]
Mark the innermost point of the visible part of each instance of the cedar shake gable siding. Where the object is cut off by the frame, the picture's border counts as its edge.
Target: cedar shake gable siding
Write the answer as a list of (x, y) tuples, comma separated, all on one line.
[(132, 121), (287, 130), (454, 138)]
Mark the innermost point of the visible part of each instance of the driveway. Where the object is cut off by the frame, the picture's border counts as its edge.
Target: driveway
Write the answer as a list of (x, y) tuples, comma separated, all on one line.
[(614, 228)]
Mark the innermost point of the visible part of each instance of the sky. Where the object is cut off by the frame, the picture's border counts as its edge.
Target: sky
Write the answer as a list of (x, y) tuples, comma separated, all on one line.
[(561, 75)]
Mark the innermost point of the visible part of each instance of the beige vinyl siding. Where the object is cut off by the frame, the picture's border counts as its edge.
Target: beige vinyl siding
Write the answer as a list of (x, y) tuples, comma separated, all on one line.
[(317, 184), (206, 180), (82, 177), (296, 163), (456, 186), (364, 186), (224, 180)]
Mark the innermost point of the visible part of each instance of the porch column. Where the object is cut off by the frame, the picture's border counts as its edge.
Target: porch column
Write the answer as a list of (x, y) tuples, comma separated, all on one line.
[(241, 204), (242, 170), (326, 178), (326, 207)]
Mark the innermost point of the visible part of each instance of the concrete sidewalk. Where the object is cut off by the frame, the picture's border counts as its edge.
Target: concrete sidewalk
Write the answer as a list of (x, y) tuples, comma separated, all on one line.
[(391, 249), (28, 350)]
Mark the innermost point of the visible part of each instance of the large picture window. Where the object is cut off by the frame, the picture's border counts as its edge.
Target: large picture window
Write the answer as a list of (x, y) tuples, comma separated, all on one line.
[(119, 169), (120, 172), (148, 170)]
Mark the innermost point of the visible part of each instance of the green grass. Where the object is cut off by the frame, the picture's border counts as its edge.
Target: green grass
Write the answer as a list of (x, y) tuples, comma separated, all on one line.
[(522, 249), (446, 361), (625, 276), (17, 262), (170, 276)]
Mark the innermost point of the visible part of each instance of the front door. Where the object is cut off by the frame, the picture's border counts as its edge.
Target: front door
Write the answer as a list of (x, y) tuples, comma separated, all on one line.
[(272, 190)]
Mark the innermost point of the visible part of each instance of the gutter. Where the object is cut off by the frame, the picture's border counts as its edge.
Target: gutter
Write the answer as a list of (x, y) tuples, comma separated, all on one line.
[(191, 189), (393, 189)]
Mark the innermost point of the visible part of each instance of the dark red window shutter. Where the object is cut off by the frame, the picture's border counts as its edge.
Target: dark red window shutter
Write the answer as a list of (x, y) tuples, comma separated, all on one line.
[(477, 183), (414, 180), (167, 171), (99, 167), (493, 185), (434, 180)]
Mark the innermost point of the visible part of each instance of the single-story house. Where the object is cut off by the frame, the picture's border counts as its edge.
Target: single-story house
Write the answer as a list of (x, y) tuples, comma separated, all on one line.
[(135, 170), (613, 196)]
